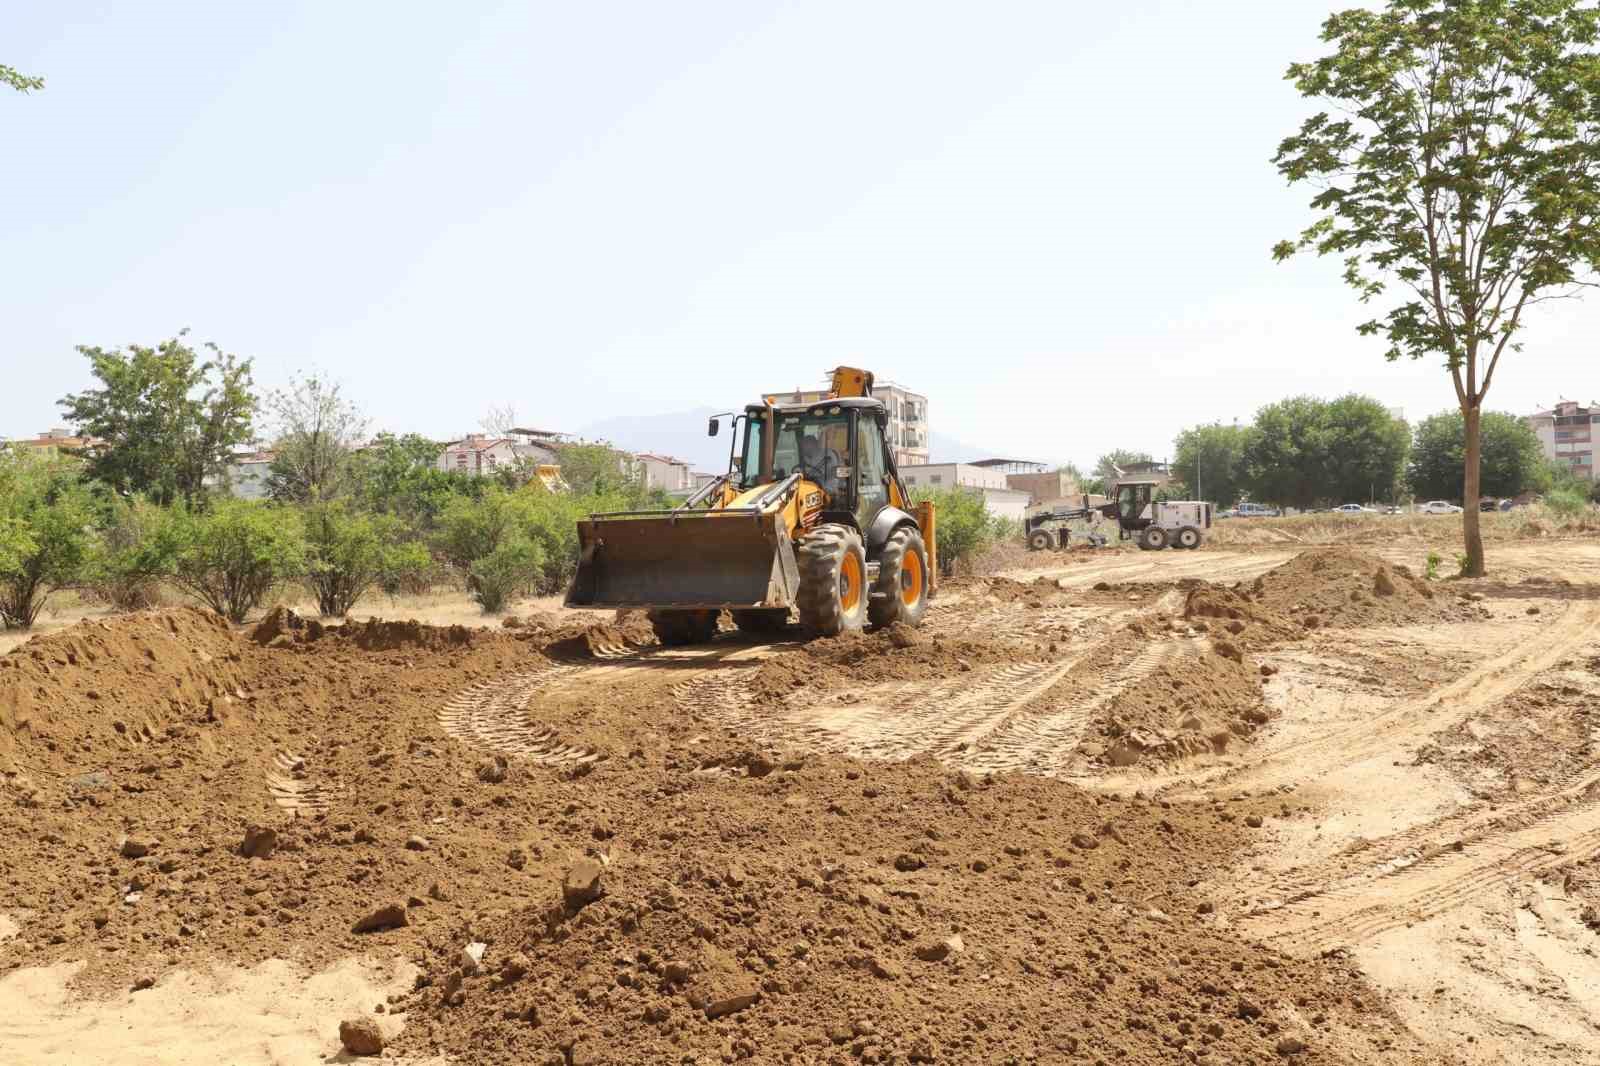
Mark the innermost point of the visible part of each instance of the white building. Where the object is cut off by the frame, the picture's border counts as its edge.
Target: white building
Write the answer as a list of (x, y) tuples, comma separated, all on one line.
[(480, 456), (247, 476), (666, 473), (989, 482)]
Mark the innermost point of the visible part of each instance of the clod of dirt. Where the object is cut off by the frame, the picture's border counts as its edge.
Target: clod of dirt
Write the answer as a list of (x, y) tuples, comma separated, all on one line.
[(259, 842), (133, 848), (282, 627), (582, 884), (492, 770), (417, 843), (389, 916), (361, 1036)]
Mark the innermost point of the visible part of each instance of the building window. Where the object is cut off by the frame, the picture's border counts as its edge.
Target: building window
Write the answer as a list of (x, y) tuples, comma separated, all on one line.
[(937, 479)]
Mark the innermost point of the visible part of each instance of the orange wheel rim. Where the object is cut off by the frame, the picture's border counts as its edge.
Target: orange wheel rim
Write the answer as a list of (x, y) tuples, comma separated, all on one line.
[(850, 582), (911, 579)]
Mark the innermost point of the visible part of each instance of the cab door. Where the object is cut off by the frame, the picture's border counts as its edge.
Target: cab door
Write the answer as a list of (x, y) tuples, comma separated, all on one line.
[(871, 473)]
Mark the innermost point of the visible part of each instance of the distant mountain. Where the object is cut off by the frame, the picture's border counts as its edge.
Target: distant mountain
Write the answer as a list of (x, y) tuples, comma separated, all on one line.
[(683, 434)]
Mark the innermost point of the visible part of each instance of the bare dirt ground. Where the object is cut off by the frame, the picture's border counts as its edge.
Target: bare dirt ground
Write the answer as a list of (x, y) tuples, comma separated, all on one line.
[(1266, 803)]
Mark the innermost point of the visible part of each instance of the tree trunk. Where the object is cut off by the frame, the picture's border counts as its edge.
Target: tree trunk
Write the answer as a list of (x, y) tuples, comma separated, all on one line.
[(1471, 490)]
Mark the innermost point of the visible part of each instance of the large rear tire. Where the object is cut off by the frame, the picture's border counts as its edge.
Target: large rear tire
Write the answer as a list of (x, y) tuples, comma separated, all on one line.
[(901, 592), (1153, 539), (833, 581), (761, 621), (1041, 540), (676, 628)]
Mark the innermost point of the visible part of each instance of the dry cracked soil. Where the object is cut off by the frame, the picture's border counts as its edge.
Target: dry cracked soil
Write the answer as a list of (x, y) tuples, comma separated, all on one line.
[(1256, 805)]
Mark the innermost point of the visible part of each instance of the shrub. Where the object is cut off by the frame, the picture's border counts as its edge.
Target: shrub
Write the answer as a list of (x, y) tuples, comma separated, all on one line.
[(137, 550), (488, 540), (496, 577), (1566, 502), (348, 553), (963, 526), (46, 533), (231, 555), (1430, 570)]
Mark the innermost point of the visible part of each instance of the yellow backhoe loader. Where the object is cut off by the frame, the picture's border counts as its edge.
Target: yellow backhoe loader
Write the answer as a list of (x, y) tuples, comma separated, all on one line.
[(811, 517)]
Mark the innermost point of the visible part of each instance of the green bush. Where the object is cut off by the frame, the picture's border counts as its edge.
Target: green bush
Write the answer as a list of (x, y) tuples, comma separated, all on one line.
[(231, 555), (489, 541), (348, 553), (496, 577), (1566, 502), (137, 551), (47, 536), (963, 526)]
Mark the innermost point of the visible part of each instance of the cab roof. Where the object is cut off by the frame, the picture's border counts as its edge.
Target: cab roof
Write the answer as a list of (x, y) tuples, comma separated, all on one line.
[(819, 406)]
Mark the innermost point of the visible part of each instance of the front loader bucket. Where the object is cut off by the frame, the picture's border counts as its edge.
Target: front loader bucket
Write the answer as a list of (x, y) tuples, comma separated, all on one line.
[(693, 559)]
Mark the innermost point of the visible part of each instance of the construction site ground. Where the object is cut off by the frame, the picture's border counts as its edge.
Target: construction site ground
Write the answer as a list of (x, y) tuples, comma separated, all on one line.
[(1258, 803)]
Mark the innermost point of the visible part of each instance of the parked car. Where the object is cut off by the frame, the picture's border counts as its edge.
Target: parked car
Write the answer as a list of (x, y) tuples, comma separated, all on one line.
[(1438, 507), (1507, 504), (1257, 510), (1488, 503), (1393, 508), (1353, 508)]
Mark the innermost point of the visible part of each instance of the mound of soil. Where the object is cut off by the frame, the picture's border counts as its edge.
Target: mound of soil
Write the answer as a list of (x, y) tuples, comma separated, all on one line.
[(898, 653), (835, 913), (629, 630), (117, 681), (1347, 588), (1196, 703), (1233, 613)]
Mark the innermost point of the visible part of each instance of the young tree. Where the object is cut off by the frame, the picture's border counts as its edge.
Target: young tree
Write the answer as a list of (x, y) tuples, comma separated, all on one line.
[(46, 532), (166, 420), (965, 526), (19, 81), (1112, 465), (1209, 461), (499, 420), (1512, 460), (231, 555), (1462, 167), (137, 550), (317, 430), (600, 468)]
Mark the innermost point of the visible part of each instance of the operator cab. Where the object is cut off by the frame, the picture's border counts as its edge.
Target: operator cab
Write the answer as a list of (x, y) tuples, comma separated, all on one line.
[(836, 444), (1133, 503)]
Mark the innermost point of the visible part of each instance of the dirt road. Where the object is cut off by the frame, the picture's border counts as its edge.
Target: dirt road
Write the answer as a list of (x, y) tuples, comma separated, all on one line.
[(1270, 804)]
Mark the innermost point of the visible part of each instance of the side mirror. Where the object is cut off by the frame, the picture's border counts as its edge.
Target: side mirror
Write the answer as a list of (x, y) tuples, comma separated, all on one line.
[(713, 427)]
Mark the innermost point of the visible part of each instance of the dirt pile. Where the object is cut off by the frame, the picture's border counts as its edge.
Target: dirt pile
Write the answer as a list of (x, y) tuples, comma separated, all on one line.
[(116, 682), (1234, 615), (1197, 701), (1346, 588), (836, 913), (628, 632), (898, 653)]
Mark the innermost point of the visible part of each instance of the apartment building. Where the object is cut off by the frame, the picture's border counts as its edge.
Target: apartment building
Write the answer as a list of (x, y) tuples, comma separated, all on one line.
[(908, 418), (1568, 432), (52, 442)]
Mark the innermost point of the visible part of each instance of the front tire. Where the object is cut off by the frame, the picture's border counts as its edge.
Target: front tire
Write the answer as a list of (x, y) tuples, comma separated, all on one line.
[(901, 592), (677, 628), (833, 581), (1153, 539), (1040, 541)]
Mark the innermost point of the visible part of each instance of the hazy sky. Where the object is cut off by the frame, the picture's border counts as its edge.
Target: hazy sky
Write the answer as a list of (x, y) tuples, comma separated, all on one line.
[(1053, 218)]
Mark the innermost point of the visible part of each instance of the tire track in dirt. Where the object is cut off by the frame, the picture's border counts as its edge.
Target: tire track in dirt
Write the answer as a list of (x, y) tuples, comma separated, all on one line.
[(1436, 883), (1407, 722), (1020, 716), (291, 789), (1444, 863), (493, 715)]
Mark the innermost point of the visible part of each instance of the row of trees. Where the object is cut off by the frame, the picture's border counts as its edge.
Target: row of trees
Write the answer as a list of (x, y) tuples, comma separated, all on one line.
[(147, 504), (1305, 452)]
